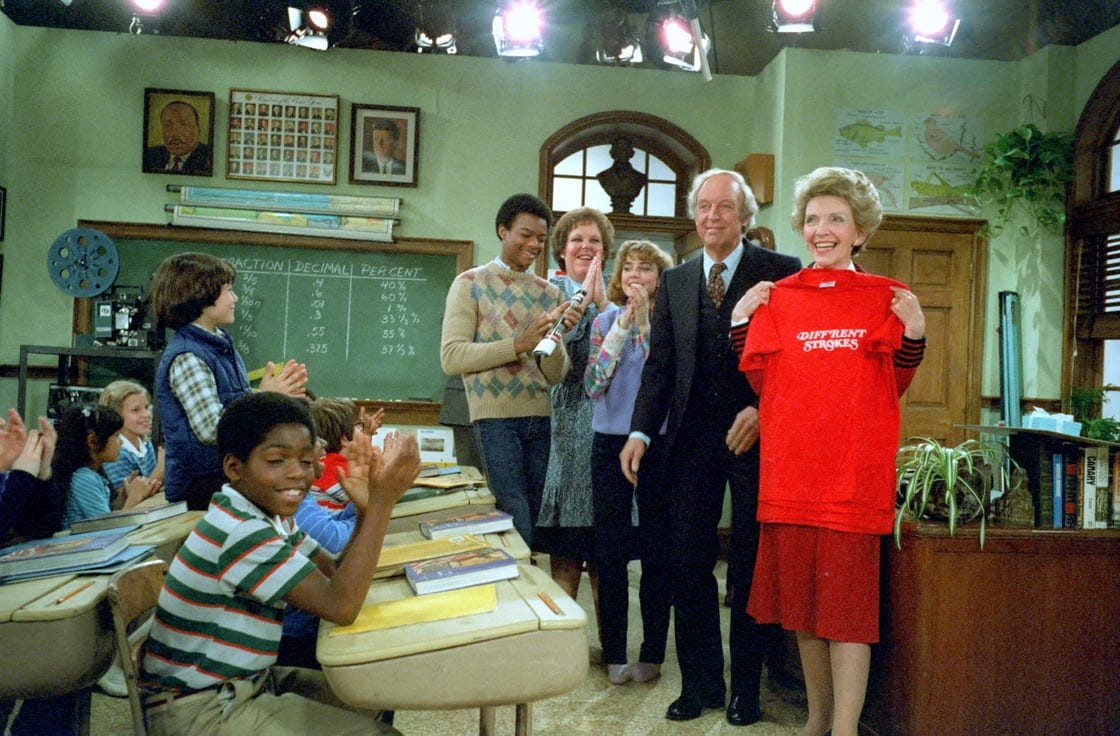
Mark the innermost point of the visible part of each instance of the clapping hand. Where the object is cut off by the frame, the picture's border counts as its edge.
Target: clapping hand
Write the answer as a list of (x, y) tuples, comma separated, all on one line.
[(362, 458), (13, 436), (593, 283), (290, 380)]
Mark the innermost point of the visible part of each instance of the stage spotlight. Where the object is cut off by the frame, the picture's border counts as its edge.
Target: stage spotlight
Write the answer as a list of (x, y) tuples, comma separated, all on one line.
[(795, 16), (676, 36), (518, 29), (143, 10), (618, 43), (308, 28), (435, 29), (932, 23)]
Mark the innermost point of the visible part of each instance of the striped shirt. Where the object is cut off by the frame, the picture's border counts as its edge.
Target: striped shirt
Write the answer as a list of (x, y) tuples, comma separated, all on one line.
[(88, 495), (142, 459), (219, 613)]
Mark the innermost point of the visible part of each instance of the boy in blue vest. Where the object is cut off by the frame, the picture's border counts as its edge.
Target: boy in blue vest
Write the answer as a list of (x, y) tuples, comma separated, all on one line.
[(208, 665), (201, 372)]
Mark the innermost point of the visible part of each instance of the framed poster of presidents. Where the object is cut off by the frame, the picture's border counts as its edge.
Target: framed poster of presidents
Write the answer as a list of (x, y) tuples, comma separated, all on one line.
[(282, 136)]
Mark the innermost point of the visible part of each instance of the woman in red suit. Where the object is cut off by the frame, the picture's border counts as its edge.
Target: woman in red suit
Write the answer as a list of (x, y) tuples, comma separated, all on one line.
[(829, 351)]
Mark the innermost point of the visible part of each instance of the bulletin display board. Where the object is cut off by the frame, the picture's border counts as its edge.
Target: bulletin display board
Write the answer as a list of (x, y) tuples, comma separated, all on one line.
[(364, 317)]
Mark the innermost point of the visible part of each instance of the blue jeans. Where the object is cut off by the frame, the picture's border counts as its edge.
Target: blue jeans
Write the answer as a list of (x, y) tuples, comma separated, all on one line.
[(515, 459)]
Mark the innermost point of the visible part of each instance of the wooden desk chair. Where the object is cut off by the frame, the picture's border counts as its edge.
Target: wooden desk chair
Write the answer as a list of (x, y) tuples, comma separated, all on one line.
[(132, 594)]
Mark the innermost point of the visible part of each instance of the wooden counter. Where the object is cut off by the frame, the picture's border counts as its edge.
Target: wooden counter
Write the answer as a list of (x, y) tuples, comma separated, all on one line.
[(1022, 637)]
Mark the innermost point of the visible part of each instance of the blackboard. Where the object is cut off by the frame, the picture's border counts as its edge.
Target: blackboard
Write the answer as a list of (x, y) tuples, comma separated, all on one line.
[(365, 317)]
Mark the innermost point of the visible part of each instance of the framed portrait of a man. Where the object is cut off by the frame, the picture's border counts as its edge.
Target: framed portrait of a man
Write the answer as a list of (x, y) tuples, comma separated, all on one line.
[(178, 132), (384, 145)]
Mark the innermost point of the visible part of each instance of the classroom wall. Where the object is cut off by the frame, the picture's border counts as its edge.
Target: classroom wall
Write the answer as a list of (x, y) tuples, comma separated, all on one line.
[(71, 129)]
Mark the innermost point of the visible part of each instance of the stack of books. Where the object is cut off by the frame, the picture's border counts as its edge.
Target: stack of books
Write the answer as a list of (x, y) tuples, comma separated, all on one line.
[(461, 570), (474, 522), (91, 551), (129, 517)]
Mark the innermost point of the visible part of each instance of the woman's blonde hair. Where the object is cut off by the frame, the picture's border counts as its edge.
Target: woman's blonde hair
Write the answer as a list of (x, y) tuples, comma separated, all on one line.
[(115, 393), (644, 251)]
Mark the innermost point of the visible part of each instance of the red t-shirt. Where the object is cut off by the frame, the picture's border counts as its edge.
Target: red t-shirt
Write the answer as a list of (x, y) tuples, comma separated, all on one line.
[(820, 356)]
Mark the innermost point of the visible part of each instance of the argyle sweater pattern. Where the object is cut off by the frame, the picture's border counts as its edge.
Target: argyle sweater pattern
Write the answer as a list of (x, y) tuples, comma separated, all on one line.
[(487, 307)]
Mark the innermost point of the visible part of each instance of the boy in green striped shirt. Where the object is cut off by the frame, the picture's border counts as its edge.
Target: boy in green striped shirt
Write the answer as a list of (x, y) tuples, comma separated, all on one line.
[(208, 665)]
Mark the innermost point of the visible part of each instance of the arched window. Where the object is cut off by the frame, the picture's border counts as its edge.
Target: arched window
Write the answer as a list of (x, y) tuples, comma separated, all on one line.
[(1091, 357), (665, 154)]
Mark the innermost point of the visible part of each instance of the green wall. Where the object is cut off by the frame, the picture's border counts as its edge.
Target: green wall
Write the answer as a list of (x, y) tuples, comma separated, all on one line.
[(70, 137)]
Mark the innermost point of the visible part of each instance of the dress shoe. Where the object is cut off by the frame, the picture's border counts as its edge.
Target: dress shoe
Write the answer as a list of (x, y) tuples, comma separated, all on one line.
[(689, 707), (743, 710)]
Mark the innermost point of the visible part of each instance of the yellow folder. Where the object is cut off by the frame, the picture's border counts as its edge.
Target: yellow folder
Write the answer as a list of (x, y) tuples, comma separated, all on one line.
[(421, 608)]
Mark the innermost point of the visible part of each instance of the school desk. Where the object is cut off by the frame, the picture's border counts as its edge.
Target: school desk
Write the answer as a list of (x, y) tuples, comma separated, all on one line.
[(56, 632), (533, 645), (406, 514)]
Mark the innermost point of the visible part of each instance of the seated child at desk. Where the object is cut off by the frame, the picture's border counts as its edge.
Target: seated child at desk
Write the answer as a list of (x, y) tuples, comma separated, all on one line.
[(209, 663), (87, 439), (30, 510), (335, 422), (201, 371), (138, 455)]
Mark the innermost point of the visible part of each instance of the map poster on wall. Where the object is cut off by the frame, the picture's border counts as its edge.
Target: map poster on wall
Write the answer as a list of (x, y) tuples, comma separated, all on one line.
[(279, 136), (874, 134), (940, 188), (888, 177), (953, 139)]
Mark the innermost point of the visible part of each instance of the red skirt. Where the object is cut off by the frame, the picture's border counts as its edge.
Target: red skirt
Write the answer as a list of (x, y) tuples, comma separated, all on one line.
[(818, 580)]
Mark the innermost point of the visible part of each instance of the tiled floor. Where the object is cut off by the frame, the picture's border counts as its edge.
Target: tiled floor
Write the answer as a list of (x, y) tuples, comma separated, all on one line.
[(596, 707)]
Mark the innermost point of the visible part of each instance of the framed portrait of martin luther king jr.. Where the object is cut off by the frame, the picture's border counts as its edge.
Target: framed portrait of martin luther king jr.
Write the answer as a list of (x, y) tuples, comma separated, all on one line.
[(384, 145), (178, 132)]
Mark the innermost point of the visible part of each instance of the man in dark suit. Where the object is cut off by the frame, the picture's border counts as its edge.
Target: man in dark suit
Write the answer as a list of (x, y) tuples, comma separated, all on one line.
[(692, 375), (181, 152)]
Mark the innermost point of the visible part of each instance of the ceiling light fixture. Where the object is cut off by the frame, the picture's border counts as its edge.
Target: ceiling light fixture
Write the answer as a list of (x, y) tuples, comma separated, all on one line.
[(675, 27), (142, 10), (519, 29), (618, 43), (308, 28), (795, 16), (931, 23), (435, 29)]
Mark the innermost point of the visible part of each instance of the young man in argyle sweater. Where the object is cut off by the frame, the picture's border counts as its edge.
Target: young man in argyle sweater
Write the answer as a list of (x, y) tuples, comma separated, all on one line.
[(494, 318)]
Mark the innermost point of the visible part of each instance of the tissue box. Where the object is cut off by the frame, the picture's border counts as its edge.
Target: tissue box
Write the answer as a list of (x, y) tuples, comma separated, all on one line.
[(1052, 424)]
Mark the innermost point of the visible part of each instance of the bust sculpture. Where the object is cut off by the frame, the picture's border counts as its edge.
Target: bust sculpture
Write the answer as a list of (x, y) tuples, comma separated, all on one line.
[(622, 182)]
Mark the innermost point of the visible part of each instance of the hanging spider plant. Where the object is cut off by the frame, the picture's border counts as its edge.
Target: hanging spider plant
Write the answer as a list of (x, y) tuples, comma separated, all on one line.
[(936, 481)]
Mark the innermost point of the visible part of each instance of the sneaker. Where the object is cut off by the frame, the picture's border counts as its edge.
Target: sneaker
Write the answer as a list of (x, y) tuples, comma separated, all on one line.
[(112, 682), (618, 674), (645, 671)]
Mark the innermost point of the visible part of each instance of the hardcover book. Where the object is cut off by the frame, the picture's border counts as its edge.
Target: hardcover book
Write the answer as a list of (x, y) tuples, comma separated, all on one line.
[(477, 522), (129, 517), (401, 554), (460, 570), (67, 551)]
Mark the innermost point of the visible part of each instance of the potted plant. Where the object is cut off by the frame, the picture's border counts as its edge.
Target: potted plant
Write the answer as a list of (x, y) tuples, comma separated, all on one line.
[(952, 483), (1086, 405), (1027, 169)]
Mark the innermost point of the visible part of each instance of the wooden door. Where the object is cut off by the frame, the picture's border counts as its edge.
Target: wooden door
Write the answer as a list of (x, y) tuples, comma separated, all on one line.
[(944, 262)]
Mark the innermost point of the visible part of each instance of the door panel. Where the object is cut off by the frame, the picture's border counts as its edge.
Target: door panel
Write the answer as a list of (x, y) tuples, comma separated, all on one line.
[(939, 259)]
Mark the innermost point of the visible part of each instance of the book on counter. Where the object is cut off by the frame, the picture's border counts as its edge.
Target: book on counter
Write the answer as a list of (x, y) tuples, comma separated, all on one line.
[(461, 570), (475, 522), (129, 517), (66, 551)]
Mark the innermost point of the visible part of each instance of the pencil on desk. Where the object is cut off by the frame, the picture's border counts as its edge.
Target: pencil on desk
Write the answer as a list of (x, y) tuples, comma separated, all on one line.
[(72, 593), (550, 603)]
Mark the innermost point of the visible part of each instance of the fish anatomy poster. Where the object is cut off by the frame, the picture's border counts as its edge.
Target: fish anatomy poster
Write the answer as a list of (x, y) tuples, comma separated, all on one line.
[(918, 160)]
